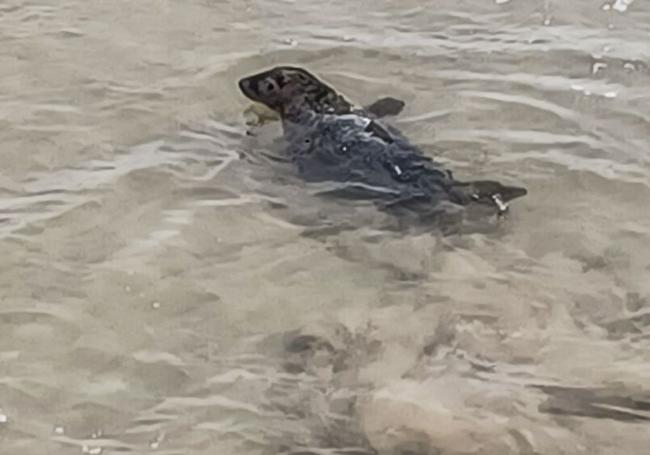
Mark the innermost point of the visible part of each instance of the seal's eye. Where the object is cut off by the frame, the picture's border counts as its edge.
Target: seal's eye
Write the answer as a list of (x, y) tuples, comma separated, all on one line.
[(268, 86), (302, 77)]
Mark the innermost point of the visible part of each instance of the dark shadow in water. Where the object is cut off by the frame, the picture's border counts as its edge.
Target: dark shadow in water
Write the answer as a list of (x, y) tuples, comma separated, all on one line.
[(598, 403)]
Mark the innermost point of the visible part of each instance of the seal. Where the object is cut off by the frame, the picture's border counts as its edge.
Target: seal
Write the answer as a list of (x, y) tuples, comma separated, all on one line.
[(329, 139)]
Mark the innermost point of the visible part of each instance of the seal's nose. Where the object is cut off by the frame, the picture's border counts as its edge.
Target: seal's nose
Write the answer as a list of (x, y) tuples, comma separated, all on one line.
[(245, 86)]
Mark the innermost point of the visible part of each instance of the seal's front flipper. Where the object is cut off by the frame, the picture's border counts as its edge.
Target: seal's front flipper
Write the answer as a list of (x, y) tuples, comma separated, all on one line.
[(258, 115), (385, 107), (488, 192)]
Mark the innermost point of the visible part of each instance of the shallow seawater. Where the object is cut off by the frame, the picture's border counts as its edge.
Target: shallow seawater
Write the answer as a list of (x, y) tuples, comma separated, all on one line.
[(167, 287)]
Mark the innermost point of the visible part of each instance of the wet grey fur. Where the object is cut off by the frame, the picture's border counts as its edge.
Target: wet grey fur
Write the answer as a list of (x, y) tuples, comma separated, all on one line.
[(356, 150)]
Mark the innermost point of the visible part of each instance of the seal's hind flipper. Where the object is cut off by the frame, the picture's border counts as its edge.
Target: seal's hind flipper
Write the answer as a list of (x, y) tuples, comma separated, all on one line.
[(385, 107), (488, 192)]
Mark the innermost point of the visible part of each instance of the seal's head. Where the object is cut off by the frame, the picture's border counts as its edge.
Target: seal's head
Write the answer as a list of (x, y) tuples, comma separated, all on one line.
[(290, 90)]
